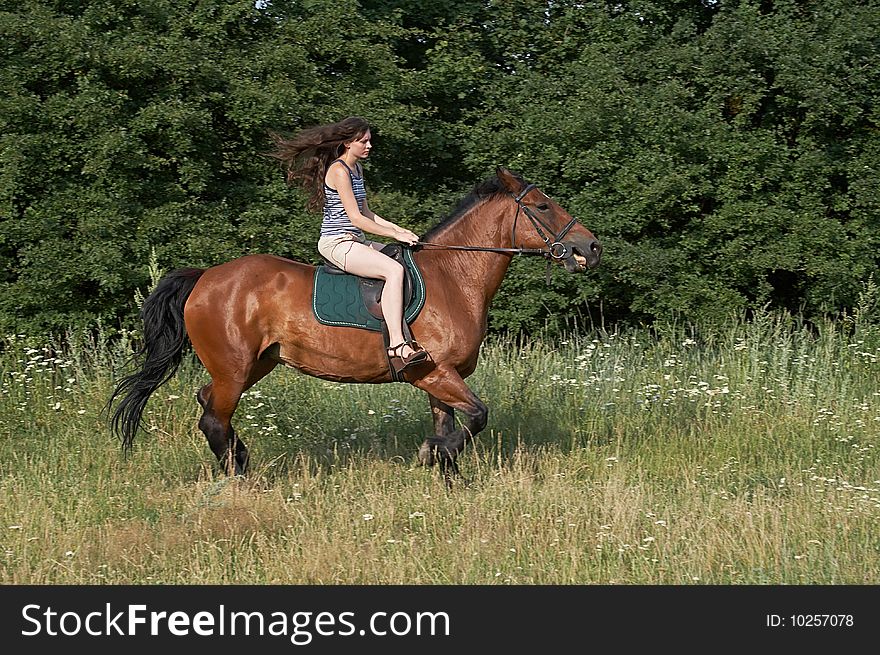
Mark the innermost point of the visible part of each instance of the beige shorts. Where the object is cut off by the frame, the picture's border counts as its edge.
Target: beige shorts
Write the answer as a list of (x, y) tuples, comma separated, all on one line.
[(336, 247)]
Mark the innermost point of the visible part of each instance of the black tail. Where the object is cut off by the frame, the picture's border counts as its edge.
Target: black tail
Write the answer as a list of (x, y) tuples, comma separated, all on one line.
[(165, 341)]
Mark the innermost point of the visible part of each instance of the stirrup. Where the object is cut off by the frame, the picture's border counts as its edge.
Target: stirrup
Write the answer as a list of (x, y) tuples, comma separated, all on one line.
[(400, 363)]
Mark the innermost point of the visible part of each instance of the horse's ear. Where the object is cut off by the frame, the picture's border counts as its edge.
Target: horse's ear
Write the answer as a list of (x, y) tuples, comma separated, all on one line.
[(510, 181)]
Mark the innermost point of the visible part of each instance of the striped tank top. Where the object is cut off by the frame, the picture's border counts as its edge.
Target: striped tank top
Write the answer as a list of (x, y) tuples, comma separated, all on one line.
[(336, 221)]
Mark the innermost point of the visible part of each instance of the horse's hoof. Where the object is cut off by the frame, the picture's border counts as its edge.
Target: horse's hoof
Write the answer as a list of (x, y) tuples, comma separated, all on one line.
[(426, 455), (452, 477)]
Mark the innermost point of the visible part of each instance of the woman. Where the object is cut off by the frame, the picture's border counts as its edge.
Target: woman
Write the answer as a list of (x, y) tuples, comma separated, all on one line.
[(325, 160)]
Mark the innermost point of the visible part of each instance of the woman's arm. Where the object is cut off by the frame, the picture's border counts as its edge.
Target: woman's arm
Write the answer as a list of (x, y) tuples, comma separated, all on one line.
[(366, 220), (369, 213)]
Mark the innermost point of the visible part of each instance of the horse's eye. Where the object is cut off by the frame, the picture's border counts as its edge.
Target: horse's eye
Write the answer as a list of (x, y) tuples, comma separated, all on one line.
[(543, 207)]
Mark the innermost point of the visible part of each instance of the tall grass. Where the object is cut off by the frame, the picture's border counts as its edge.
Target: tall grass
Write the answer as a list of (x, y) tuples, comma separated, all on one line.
[(672, 456)]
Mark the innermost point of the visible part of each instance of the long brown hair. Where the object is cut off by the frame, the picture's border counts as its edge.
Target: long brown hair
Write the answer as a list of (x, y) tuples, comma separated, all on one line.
[(307, 155)]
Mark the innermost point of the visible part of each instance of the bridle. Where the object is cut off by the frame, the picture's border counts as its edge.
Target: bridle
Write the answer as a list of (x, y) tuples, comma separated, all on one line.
[(555, 250)]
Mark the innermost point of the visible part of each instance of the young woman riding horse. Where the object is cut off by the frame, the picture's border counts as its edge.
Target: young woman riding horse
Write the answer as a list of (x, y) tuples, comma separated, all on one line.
[(246, 316), (325, 160)]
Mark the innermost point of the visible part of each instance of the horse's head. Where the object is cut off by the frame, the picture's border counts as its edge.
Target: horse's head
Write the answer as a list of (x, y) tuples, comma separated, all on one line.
[(545, 224)]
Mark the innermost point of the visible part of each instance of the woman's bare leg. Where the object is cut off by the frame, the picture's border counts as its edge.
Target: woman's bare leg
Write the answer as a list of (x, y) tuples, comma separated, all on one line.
[(366, 261)]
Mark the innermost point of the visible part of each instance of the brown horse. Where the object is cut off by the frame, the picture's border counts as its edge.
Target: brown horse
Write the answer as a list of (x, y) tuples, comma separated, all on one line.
[(248, 315)]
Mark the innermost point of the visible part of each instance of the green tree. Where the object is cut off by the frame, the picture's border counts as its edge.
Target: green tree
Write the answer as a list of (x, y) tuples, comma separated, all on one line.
[(129, 126), (725, 155), (724, 151)]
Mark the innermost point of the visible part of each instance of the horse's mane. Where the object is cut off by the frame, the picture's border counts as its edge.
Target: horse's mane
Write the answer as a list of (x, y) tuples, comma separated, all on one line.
[(482, 191)]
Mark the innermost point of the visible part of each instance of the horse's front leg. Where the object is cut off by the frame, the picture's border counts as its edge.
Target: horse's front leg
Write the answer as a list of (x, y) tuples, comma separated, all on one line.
[(449, 392), (444, 424)]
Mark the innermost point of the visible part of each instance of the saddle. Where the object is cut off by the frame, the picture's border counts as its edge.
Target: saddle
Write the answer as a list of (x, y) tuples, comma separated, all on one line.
[(346, 300), (371, 289)]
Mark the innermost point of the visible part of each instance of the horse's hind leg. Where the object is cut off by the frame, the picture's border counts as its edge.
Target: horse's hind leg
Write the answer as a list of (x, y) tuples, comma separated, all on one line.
[(219, 400), (448, 392)]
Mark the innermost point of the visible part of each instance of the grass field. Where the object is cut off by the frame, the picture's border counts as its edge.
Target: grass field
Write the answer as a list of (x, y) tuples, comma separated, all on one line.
[(745, 455)]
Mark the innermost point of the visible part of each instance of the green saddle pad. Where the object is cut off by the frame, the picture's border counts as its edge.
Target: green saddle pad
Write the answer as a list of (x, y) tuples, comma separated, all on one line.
[(337, 298)]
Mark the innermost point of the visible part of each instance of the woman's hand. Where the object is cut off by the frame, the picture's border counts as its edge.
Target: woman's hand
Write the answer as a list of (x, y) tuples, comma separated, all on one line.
[(408, 237)]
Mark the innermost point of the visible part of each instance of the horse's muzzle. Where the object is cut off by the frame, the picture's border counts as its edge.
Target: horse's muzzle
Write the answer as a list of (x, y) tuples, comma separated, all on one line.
[(585, 253)]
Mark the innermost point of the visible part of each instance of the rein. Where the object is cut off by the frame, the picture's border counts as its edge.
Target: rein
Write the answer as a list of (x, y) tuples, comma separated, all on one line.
[(555, 248), (515, 251)]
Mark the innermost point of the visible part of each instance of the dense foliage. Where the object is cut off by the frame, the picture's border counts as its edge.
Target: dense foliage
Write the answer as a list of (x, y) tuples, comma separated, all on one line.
[(726, 152)]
